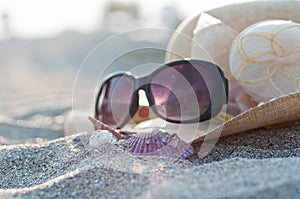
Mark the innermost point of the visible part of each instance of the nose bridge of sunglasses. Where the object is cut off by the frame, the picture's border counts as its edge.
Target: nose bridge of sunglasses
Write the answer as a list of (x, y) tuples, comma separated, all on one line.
[(144, 112)]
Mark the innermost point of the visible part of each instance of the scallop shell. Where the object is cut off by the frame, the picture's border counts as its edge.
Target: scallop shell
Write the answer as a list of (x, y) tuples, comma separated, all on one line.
[(159, 143)]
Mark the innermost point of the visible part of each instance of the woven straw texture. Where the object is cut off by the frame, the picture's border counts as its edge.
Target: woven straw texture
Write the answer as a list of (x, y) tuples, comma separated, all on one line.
[(282, 111)]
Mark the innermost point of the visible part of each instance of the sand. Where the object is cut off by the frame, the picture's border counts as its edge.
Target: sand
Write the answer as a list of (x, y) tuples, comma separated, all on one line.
[(262, 163)]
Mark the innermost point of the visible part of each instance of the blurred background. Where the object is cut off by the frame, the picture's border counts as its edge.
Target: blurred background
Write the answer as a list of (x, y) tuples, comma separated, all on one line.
[(43, 44)]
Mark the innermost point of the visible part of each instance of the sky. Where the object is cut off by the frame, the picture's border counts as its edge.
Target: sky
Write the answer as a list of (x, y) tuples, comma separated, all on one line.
[(43, 18)]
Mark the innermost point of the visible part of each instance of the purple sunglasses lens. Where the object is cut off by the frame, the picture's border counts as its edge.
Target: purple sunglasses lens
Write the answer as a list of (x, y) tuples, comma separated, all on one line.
[(181, 92), (114, 100)]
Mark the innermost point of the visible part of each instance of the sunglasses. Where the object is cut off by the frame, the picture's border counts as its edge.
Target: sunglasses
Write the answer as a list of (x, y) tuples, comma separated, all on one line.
[(183, 91)]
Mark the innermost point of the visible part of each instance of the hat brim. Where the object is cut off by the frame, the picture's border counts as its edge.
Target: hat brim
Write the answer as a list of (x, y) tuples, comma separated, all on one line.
[(284, 110)]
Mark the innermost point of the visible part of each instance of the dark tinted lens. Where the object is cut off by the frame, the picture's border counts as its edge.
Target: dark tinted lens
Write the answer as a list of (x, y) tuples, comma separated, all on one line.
[(114, 100), (181, 92)]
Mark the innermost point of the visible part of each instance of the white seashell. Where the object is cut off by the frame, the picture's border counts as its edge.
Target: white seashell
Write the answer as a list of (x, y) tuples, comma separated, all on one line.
[(99, 138), (213, 38), (265, 58)]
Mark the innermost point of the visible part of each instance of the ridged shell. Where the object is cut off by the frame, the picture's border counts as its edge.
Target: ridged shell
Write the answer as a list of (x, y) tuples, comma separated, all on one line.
[(159, 143)]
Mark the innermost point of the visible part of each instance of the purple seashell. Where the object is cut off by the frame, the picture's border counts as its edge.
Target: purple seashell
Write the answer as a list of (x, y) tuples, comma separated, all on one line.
[(155, 143), (159, 143)]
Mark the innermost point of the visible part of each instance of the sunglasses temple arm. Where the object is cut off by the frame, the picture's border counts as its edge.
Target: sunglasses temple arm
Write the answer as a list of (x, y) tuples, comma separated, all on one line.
[(101, 126)]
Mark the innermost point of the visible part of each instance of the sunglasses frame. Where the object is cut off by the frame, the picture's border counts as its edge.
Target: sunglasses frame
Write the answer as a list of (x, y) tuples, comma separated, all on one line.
[(144, 83)]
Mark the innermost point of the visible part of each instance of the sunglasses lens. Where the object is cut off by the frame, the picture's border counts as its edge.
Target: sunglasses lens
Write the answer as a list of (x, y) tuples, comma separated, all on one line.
[(180, 92), (114, 100)]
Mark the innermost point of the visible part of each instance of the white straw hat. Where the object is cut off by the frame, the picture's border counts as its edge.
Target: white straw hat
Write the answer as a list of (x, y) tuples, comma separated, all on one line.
[(284, 110)]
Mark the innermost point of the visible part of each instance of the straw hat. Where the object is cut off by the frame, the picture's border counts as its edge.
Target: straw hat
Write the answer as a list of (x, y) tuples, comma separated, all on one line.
[(284, 110)]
